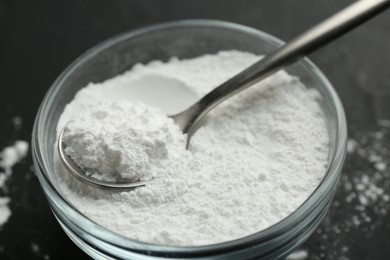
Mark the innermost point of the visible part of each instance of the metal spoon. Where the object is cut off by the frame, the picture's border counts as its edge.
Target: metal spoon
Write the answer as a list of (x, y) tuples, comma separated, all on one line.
[(307, 42)]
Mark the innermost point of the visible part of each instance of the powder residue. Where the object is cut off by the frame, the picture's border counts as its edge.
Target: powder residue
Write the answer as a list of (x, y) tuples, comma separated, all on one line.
[(362, 202), (256, 158), (9, 156)]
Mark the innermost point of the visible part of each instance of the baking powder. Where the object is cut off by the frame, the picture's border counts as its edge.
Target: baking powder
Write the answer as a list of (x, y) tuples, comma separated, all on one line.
[(257, 157)]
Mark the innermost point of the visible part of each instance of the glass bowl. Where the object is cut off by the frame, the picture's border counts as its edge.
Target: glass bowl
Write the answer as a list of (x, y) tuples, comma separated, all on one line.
[(183, 39)]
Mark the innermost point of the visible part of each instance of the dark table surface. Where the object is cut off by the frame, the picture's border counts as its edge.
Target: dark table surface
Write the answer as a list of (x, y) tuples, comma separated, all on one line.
[(38, 39)]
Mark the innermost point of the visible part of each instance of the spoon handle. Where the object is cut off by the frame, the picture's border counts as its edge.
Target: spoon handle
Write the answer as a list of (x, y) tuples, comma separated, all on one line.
[(302, 45)]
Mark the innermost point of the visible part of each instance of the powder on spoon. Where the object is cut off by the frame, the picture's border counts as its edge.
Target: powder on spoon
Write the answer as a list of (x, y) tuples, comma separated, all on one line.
[(121, 140), (256, 158)]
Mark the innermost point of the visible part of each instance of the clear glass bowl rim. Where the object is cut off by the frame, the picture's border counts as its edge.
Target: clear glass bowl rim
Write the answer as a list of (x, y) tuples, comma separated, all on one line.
[(328, 182)]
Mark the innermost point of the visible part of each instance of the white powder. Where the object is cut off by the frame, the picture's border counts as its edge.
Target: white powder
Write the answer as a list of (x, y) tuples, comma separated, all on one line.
[(298, 254), (256, 158), (122, 140), (5, 211), (362, 202), (368, 188), (10, 156)]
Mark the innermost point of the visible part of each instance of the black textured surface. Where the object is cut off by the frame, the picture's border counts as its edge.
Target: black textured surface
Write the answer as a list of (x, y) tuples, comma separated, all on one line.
[(38, 39)]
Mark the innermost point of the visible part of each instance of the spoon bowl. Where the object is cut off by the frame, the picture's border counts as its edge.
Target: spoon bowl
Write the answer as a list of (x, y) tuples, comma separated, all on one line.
[(75, 170)]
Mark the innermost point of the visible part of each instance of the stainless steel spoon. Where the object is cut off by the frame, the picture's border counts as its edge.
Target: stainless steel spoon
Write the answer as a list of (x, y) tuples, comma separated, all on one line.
[(307, 42)]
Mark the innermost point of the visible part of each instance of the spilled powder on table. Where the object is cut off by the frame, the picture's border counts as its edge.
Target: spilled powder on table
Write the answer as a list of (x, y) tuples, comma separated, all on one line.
[(9, 156), (362, 202), (368, 188)]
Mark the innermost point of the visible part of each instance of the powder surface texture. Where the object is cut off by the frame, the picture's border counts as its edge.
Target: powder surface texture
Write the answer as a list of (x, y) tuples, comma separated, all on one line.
[(256, 158), (122, 140)]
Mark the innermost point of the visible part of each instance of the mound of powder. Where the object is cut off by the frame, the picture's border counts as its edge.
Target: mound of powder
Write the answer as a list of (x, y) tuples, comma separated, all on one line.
[(121, 140), (257, 157)]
